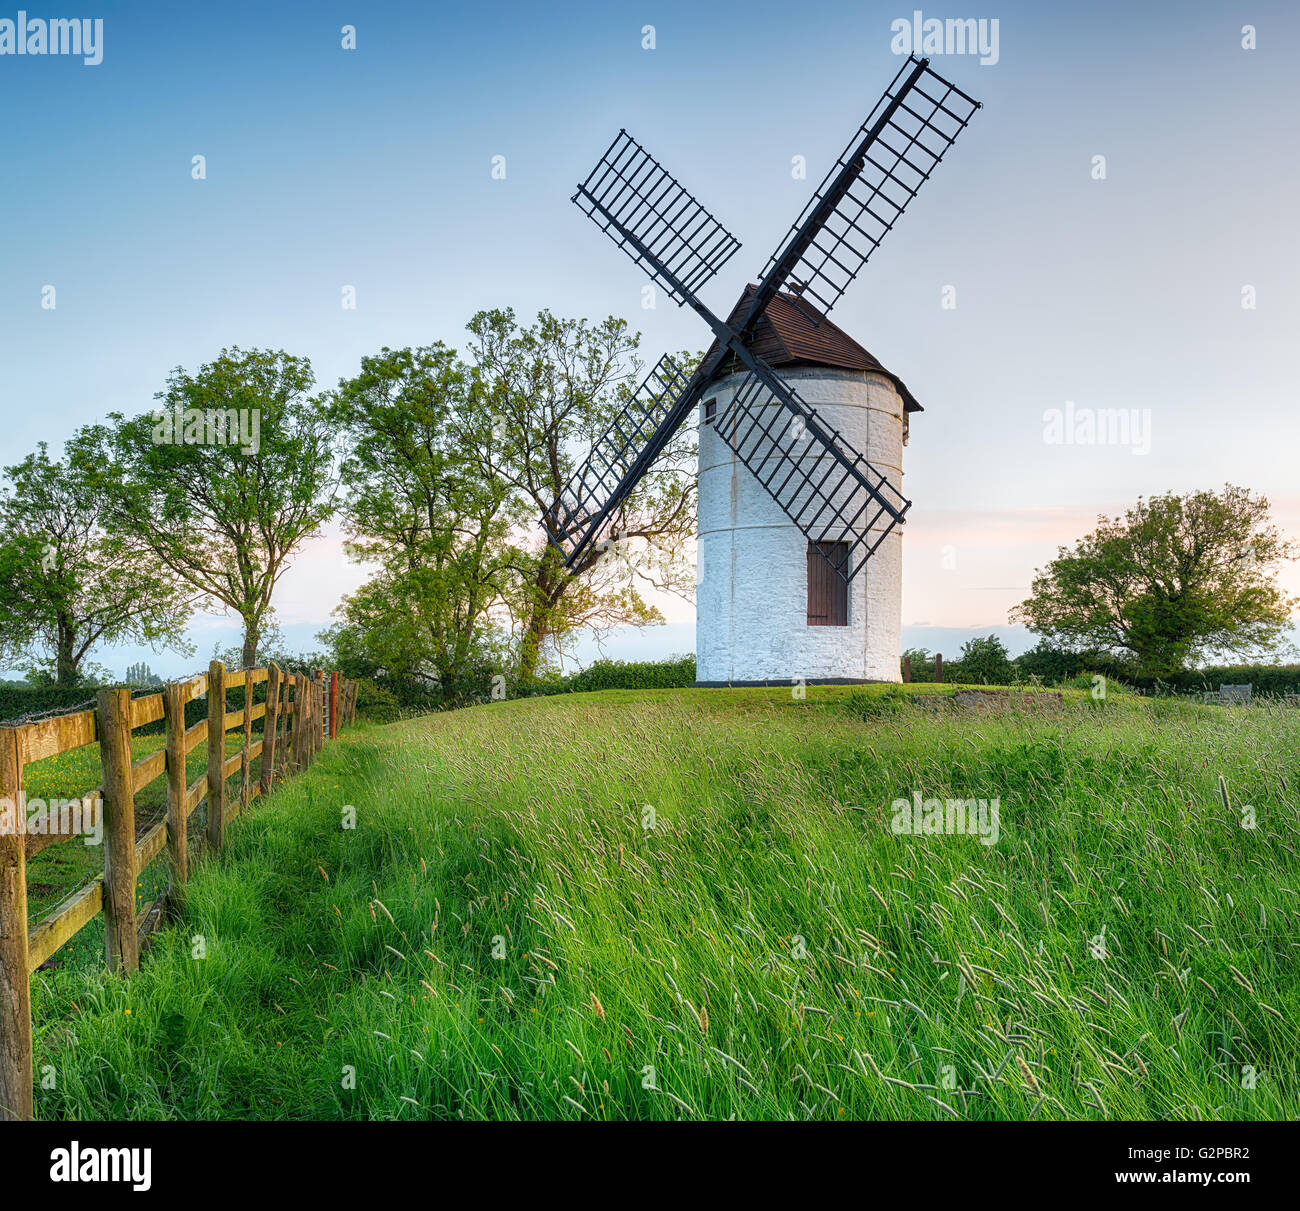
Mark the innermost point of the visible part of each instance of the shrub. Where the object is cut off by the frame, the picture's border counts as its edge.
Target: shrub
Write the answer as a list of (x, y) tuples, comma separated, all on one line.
[(983, 661), (19, 698), (376, 704), (1053, 665), (922, 663), (1269, 680), (677, 672)]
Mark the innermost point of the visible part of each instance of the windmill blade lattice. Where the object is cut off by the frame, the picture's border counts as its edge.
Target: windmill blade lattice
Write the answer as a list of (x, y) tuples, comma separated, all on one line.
[(830, 491), (648, 214), (834, 496), (892, 155), (604, 481)]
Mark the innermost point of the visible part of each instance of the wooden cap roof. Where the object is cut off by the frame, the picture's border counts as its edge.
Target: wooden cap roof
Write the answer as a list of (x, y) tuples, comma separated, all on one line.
[(785, 336)]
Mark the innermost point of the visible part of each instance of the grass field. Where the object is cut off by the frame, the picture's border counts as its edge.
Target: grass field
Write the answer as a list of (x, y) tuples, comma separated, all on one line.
[(664, 904)]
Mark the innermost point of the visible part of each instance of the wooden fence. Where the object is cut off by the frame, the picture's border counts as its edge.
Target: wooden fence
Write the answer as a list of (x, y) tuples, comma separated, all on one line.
[(299, 714)]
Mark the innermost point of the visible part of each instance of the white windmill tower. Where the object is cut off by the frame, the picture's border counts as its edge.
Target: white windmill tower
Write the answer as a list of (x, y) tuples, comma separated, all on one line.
[(800, 557), (769, 604)]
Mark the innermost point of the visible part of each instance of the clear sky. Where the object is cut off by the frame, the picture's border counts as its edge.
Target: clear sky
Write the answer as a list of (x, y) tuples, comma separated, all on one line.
[(372, 168)]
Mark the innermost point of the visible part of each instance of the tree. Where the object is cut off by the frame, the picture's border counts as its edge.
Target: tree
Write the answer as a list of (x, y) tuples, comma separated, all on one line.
[(72, 582), (549, 392), (226, 480), (1174, 579), (421, 504), (141, 674), (389, 630), (983, 661)]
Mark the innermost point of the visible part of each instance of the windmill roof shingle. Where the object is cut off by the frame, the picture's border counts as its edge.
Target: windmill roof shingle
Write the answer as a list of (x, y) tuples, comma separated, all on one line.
[(785, 336)]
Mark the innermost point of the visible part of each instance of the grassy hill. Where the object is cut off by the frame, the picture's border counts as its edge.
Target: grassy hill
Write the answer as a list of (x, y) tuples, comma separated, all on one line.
[(661, 904)]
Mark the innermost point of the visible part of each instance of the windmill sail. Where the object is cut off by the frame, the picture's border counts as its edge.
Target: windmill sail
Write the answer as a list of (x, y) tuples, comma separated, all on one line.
[(832, 493), (603, 482), (885, 164), (633, 198)]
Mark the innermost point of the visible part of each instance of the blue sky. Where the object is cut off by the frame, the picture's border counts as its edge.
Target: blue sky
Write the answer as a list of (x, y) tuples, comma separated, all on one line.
[(371, 168)]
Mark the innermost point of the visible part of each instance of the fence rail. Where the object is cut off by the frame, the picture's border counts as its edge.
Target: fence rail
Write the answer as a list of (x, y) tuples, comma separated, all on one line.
[(299, 714)]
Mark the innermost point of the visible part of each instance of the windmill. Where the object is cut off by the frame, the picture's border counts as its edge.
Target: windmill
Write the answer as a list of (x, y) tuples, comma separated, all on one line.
[(823, 487)]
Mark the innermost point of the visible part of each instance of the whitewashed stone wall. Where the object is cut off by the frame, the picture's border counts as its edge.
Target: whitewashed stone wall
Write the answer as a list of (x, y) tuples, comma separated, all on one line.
[(751, 578)]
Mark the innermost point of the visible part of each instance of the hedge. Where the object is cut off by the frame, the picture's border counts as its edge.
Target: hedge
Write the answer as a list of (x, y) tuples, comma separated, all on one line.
[(18, 699), (1269, 680), (677, 672)]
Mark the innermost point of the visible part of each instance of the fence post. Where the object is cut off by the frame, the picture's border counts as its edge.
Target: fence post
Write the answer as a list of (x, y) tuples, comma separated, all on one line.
[(309, 720), (120, 941), (283, 720), (284, 748), (334, 705), (177, 821), (269, 723), (246, 762), (299, 725), (298, 721), (318, 717), (938, 666), (16, 1099), (216, 754), (306, 735)]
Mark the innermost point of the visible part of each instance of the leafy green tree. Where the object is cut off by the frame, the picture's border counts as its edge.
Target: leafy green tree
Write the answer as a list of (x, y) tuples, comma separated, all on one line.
[(983, 661), (71, 580), (1173, 580), (226, 480), (548, 392), (141, 674), (423, 506), (386, 632)]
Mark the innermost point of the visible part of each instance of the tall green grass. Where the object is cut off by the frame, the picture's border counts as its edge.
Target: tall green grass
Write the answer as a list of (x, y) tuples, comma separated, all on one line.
[(666, 904), (60, 870)]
